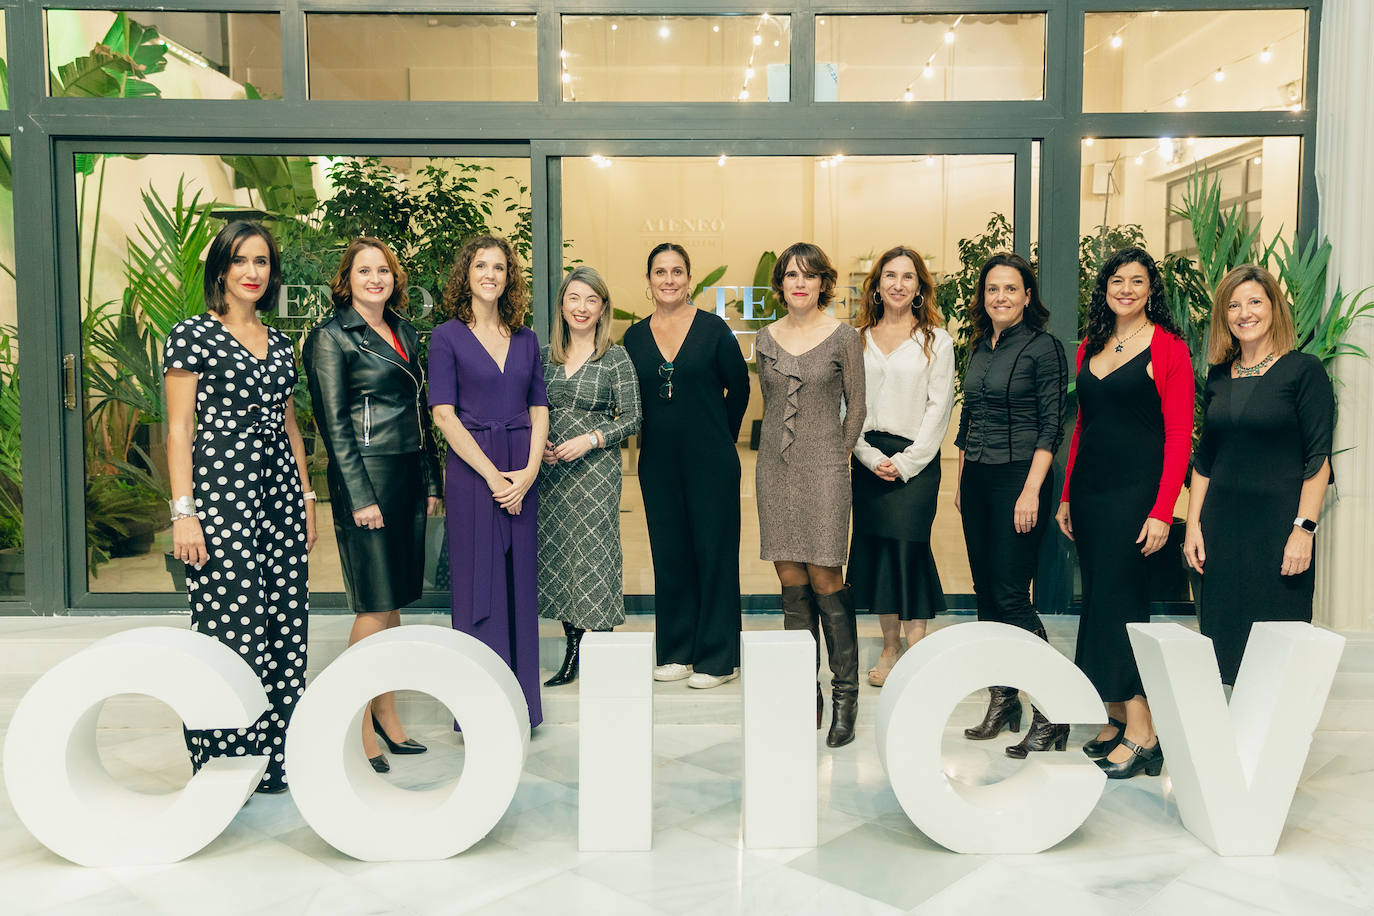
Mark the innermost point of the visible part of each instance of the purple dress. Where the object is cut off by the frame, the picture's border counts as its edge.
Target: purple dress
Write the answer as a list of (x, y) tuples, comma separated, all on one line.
[(493, 599)]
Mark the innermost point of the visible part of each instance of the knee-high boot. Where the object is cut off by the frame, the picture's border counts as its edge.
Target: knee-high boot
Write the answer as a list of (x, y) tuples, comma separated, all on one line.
[(799, 612), (568, 673), (1043, 735), (842, 645)]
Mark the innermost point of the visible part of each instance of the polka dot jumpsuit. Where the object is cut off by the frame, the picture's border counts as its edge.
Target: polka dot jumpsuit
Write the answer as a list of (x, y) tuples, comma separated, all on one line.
[(252, 594)]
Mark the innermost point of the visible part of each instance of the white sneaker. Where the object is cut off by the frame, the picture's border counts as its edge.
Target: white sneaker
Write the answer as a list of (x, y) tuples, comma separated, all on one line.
[(672, 672), (703, 681)]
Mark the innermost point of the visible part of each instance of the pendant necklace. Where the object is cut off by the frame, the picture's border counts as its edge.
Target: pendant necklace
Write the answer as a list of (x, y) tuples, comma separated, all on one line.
[(1252, 371), (1121, 341)]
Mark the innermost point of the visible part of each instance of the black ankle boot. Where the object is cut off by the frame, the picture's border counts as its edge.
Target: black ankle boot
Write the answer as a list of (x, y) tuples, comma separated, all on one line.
[(799, 613), (842, 646), (1004, 709), (568, 673), (1043, 735)]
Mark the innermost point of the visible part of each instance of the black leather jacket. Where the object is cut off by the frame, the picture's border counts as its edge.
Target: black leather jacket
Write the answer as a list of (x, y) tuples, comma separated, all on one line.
[(368, 400)]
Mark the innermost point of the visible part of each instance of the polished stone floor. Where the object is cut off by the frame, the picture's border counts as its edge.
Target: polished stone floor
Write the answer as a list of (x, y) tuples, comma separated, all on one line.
[(1132, 855)]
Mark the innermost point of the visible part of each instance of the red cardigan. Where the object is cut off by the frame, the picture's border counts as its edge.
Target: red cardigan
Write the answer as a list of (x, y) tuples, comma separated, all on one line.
[(1173, 369)]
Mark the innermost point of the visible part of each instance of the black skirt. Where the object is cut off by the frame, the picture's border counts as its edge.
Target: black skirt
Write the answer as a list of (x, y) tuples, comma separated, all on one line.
[(891, 568), (383, 568)]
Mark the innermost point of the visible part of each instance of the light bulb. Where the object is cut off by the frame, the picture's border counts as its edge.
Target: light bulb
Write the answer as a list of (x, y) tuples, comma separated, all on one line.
[(824, 164), (1139, 160), (563, 53), (1257, 160), (1220, 75), (614, 27), (512, 23), (1116, 41), (758, 39), (721, 160), (927, 71), (743, 94), (820, 22), (1181, 99), (663, 31), (907, 96), (1295, 107), (748, 73), (930, 162), (1088, 141), (567, 77), (776, 42), (1266, 55), (715, 28), (949, 37)]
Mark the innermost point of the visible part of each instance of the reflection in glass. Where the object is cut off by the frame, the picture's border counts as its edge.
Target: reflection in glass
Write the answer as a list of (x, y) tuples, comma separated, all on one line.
[(922, 58), (726, 211), (147, 53), (4, 65), (676, 58), (1205, 60), (144, 224), (11, 493), (422, 57)]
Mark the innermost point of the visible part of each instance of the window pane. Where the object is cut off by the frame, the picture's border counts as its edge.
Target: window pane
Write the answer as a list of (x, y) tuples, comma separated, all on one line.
[(156, 215), (422, 57), (11, 492), (676, 58), (106, 54), (1208, 60), (725, 212), (4, 60), (930, 57)]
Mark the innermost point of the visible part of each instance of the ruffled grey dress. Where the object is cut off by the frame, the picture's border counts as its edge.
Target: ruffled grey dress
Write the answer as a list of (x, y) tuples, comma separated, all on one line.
[(813, 410)]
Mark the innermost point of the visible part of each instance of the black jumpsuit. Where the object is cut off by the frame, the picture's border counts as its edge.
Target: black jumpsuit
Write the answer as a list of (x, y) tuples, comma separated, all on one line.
[(689, 474), (252, 594)]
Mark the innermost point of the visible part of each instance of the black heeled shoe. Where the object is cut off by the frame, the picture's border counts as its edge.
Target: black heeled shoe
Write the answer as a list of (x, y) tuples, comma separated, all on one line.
[(1004, 709), (1149, 760), (1098, 748), (568, 673), (379, 764), (408, 746), (1043, 735)]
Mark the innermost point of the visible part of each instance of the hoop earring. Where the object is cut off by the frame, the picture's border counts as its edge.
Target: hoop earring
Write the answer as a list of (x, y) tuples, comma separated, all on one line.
[(916, 303), (877, 298), (648, 295)]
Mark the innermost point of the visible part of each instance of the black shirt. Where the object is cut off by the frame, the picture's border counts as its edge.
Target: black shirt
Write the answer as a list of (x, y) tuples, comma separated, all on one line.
[(1013, 397)]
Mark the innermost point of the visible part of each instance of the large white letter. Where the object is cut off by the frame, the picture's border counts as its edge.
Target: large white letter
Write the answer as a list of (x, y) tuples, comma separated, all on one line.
[(1052, 793), (354, 809), (63, 793), (615, 735), (1235, 771), (779, 674)]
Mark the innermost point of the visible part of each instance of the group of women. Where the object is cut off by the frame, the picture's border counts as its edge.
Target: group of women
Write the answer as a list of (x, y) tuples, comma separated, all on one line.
[(854, 419)]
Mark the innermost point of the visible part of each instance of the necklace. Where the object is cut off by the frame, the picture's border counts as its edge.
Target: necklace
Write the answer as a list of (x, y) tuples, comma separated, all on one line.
[(1121, 341), (1252, 371)]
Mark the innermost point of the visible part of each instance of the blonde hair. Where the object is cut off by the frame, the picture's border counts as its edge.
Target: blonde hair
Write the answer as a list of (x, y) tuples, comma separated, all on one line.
[(560, 335), (1222, 346)]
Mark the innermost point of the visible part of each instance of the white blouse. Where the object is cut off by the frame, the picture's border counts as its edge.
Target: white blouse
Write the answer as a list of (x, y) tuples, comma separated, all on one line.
[(911, 396)]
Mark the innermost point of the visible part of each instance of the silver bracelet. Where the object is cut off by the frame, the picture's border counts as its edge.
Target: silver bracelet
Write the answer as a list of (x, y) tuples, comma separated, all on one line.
[(308, 494), (182, 506), (178, 516)]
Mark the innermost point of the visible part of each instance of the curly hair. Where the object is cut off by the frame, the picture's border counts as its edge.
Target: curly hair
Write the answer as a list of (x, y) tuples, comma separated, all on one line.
[(923, 307), (514, 304), (1102, 320), (341, 287), (1036, 315), (811, 260)]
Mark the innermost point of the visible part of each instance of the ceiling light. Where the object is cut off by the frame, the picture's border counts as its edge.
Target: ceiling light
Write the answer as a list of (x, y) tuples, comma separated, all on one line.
[(743, 94), (1180, 100), (1266, 55), (1139, 160), (663, 31), (1116, 41), (927, 71), (949, 37), (907, 96), (1220, 75), (721, 160), (758, 39)]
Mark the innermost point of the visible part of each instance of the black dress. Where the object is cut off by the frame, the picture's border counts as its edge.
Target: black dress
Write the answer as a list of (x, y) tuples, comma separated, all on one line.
[(251, 594), (1261, 438), (1114, 485), (689, 474)]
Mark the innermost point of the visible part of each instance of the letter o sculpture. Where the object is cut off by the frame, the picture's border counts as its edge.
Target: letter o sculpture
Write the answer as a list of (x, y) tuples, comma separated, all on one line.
[(63, 793), (1045, 800), (358, 812)]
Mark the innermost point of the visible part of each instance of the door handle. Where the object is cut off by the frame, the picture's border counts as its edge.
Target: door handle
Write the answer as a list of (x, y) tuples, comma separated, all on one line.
[(69, 381)]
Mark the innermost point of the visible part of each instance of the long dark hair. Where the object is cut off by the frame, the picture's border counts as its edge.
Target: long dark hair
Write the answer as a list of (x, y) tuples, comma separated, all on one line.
[(514, 303), (1102, 320), (1036, 315), (221, 255)]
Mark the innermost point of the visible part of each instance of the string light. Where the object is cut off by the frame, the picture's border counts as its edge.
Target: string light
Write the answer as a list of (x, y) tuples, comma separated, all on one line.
[(1220, 75), (664, 31), (949, 37), (721, 161), (1116, 40), (600, 161), (907, 96), (1180, 100), (1088, 141), (757, 41), (743, 94), (927, 71), (1266, 55), (1257, 160), (614, 27), (715, 28), (1139, 160), (928, 68)]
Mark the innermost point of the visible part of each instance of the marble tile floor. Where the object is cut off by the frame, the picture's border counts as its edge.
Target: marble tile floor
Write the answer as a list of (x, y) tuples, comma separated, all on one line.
[(1132, 855)]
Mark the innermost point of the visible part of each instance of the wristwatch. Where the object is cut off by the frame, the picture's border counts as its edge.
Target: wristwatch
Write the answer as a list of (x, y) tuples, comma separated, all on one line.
[(592, 438), (1306, 524)]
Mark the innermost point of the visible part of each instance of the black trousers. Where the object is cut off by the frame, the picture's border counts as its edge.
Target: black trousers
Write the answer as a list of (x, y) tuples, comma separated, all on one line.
[(691, 503), (1001, 560)]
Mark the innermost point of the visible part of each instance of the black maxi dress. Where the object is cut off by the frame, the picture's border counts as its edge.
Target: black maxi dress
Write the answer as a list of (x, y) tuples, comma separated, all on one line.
[(1261, 438), (1114, 485)]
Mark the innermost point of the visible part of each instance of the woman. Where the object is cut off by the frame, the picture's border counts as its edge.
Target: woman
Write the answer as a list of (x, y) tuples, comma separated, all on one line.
[(909, 370), (1011, 424), (812, 379), (243, 514), (367, 388), (593, 407), (1127, 459), (486, 389), (1261, 469), (694, 386)]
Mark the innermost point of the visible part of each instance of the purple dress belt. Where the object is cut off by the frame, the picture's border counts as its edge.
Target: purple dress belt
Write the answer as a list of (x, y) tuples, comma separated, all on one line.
[(489, 564)]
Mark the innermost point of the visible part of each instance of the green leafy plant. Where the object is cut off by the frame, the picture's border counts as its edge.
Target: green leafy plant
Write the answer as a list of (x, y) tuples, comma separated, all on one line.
[(11, 478)]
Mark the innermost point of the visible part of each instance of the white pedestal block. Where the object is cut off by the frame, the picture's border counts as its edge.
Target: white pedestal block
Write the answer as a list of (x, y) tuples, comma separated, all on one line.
[(63, 793), (356, 810), (615, 782), (778, 671), (1235, 770), (1051, 794)]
